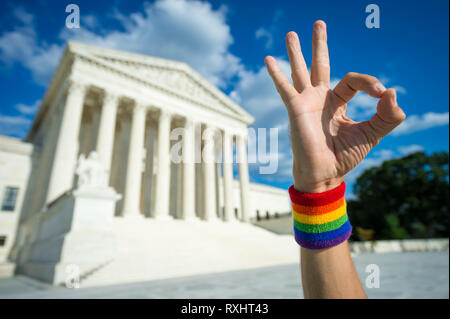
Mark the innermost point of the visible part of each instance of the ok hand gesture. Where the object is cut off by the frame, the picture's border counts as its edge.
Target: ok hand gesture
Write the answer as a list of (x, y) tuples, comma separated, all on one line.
[(326, 144)]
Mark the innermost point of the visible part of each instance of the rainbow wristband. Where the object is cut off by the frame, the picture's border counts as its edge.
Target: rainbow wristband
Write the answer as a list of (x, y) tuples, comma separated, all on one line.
[(320, 219)]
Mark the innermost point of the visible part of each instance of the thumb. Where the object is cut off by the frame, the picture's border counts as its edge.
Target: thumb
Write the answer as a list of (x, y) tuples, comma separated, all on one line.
[(389, 115)]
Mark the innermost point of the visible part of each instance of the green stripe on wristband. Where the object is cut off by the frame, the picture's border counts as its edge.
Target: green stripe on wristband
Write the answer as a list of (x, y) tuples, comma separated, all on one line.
[(314, 229)]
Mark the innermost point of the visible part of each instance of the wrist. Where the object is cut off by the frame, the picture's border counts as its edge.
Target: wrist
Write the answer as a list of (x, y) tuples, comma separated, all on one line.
[(304, 186), (306, 181)]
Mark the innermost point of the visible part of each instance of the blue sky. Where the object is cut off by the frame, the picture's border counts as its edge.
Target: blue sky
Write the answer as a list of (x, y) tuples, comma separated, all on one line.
[(226, 41)]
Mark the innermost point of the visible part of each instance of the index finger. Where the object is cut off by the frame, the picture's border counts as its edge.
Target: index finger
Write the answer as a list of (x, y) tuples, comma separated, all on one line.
[(353, 82), (282, 84), (300, 74)]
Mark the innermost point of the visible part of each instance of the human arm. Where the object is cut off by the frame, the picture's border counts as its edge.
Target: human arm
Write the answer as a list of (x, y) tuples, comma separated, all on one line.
[(326, 145)]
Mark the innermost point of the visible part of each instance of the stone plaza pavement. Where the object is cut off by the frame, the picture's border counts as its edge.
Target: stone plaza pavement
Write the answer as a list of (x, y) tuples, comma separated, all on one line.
[(402, 275)]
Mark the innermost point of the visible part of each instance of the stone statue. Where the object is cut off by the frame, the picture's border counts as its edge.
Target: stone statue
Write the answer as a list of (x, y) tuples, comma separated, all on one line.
[(91, 172)]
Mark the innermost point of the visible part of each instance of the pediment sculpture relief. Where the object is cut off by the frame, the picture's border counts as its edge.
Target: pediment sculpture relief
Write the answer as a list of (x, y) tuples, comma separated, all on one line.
[(175, 80)]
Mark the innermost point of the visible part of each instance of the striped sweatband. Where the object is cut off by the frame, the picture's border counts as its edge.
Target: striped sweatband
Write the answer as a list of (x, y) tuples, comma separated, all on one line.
[(320, 219)]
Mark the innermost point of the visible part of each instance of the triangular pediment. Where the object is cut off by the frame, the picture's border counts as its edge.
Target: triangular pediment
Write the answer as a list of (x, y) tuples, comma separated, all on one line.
[(172, 76)]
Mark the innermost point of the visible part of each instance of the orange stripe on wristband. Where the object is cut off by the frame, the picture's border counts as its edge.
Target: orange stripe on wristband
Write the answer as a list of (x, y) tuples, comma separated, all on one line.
[(318, 210)]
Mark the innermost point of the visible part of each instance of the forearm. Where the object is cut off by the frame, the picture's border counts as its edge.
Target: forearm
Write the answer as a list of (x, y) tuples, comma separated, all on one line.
[(330, 273), (321, 228)]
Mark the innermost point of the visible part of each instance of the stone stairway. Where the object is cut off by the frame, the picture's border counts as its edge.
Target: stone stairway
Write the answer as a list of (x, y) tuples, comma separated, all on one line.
[(149, 249)]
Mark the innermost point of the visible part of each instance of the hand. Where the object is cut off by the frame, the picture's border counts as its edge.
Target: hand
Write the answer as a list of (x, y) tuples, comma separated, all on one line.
[(326, 144)]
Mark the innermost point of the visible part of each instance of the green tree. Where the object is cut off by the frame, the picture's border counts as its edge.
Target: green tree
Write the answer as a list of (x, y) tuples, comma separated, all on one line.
[(404, 198)]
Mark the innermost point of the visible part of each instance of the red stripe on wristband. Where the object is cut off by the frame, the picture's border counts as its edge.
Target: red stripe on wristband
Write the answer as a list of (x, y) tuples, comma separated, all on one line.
[(317, 199)]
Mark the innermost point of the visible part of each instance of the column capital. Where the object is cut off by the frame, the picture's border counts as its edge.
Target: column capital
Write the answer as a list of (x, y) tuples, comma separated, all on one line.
[(140, 107), (189, 122), (227, 134), (110, 97), (76, 87), (210, 126), (164, 114)]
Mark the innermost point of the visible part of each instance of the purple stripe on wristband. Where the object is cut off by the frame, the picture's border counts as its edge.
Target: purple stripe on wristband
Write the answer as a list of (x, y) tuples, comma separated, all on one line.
[(323, 244)]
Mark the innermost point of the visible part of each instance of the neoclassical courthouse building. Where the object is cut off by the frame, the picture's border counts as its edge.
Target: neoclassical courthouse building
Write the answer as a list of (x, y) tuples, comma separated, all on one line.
[(99, 149)]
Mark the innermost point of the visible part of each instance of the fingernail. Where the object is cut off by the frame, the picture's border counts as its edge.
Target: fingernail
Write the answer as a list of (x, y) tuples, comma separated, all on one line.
[(380, 87), (319, 24)]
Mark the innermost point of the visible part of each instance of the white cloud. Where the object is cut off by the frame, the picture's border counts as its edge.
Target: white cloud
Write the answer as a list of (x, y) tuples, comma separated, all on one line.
[(383, 153), (256, 93), (400, 89), (189, 31), (13, 120), (384, 79), (14, 125), (21, 46), (22, 15), (28, 109), (89, 20), (409, 149), (266, 35), (362, 106), (17, 125), (415, 123)]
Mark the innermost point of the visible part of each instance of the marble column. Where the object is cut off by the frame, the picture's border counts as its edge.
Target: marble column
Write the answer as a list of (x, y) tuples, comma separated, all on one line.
[(198, 170), (244, 178), (45, 162), (132, 192), (227, 166), (188, 189), (163, 168), (106, 130), (66, 151), (209, 183), (148, 182)]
